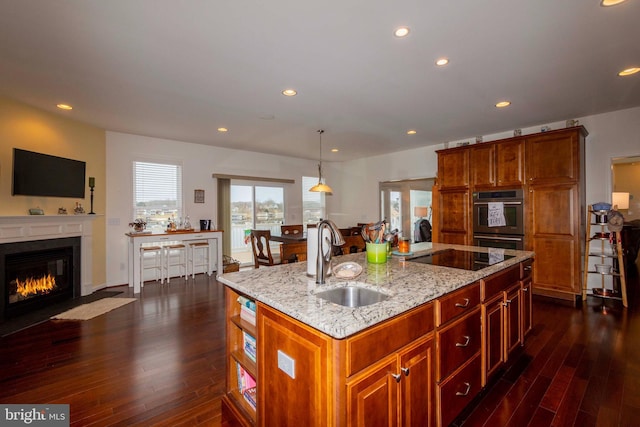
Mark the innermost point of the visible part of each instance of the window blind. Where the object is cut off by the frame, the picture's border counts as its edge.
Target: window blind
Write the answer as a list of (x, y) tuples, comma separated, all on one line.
[(157, 192)]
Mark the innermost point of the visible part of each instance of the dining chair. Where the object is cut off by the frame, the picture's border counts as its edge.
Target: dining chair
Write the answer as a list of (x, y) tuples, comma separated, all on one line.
[(293, 252), (291, 229), (261, 249)]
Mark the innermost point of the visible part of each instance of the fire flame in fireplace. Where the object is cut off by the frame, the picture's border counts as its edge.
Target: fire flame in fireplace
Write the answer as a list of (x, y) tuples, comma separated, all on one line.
[(32, 286)]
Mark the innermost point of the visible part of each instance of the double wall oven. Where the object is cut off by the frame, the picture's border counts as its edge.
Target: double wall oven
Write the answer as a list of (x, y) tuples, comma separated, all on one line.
[(498, 219)]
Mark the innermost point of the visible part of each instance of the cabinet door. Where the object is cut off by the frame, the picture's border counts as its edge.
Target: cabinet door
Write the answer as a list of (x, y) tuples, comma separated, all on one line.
[(553, 157), (372, 396), (493, 337), (509, 164), (416, 367), (554, 235), (527, 307), (453, 168), (454, 217), (513, 326), (300, 396), (482, 161)]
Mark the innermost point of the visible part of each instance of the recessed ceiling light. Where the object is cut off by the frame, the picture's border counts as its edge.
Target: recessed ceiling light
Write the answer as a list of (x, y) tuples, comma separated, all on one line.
[(629, 71), (411, 132), (64, 107), (223, 130), (289, 92), (401, 32), (334, 150), (503, 104), (442, 61), (607, 3)]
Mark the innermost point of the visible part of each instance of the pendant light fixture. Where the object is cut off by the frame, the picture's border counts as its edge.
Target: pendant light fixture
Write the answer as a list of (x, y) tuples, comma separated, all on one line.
[(321, 187)]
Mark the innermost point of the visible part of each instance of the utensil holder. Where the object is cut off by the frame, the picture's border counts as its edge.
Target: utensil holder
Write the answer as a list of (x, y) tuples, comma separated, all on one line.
[(376, 253)]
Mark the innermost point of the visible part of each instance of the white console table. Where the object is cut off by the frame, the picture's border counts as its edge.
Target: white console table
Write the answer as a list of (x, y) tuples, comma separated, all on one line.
[(214, 237)]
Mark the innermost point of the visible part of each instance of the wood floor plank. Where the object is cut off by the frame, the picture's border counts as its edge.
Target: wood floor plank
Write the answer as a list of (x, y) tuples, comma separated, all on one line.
[(160, 362)]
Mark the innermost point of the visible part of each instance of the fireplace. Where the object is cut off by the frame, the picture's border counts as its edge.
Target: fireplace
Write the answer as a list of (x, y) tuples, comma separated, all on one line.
[(38, 273)]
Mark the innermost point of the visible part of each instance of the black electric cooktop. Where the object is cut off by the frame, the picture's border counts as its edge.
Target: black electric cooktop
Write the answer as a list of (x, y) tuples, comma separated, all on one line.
[(464, 260)]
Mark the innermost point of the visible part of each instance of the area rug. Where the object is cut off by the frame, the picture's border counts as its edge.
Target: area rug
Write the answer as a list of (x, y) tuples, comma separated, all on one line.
[(93, 309)]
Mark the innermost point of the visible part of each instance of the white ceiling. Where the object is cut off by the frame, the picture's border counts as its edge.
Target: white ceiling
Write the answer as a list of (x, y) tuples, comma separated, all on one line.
[(181, 69)]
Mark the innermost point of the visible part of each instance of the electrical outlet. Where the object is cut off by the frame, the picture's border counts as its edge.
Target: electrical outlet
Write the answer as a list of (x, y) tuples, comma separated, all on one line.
[(287, 364)]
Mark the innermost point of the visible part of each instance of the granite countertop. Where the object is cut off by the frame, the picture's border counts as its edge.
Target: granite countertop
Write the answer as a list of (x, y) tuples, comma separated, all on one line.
[(288, 289)]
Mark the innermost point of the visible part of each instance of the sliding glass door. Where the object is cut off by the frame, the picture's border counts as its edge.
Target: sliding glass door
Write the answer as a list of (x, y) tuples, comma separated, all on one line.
[(254, 206)]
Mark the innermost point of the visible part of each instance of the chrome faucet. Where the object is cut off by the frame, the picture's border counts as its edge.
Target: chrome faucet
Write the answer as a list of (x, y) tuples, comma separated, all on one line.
[(322, 260)]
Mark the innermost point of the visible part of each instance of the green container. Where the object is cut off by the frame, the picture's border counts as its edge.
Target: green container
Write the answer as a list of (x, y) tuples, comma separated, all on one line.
[(377, 253)]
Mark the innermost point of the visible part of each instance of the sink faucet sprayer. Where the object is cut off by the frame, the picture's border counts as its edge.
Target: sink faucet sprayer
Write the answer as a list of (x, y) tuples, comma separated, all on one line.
[(322, 260)]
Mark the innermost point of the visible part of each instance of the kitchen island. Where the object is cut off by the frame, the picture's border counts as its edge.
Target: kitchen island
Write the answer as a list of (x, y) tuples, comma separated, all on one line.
[(439, 334)]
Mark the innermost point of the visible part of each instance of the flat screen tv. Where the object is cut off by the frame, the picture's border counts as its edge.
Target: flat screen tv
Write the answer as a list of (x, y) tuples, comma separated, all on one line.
[(36, 174)]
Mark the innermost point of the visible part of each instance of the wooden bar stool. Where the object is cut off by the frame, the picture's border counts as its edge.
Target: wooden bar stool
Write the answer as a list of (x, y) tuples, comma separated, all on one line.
[(199, 250), (156, 254), (175, 255)]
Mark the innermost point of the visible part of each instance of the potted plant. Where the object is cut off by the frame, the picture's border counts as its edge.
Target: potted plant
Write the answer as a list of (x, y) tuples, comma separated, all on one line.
[(138, 225)]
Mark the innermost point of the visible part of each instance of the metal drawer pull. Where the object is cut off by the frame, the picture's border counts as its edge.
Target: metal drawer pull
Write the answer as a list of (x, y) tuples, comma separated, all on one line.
[(466, 392), (465, 305), (405, 371), (466, 337), (397, 377)]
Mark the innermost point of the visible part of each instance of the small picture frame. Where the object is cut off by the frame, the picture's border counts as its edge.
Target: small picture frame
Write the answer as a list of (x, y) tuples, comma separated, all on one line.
[(198, 196)]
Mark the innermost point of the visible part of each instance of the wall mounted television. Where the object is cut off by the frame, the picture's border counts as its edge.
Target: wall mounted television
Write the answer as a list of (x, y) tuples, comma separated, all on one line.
[(36, 174)]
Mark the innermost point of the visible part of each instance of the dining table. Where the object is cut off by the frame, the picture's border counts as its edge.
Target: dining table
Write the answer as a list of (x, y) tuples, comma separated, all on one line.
[(295, 244)]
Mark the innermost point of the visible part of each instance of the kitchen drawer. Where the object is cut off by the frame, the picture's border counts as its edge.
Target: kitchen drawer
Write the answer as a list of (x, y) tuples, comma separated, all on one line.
[(457, 303), (457, 342), (456, 393), (367, 347), (498, 282)]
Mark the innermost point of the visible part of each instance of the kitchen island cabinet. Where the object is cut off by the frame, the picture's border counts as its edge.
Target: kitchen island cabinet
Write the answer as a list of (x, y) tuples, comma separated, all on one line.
[(395, 362)]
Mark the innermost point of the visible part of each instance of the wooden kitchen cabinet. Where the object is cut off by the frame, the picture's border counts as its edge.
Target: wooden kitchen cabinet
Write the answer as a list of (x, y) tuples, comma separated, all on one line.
[(483, 165), (454, 217), (549, 167), (526, 271), (452, 198), (458, 344), (493, 336), (422, 367), (512, 319), (453, 168), (501, 319), (554, 235), (555, 207), (396, 391), (555, 157), (497, 165)]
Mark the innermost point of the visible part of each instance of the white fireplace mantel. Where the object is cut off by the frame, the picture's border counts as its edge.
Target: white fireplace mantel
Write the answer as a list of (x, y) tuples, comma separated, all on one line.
[(26, 228)]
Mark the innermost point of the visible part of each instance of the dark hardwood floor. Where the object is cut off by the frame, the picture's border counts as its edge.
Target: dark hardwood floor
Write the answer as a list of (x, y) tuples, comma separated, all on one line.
[(160, 361)]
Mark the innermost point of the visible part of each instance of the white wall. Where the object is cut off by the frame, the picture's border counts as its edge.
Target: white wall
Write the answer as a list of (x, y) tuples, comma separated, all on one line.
[(615, 134), (199, 163), (355, 183)]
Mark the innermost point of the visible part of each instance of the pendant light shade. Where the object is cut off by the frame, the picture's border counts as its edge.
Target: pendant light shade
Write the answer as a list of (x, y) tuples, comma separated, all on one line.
[(320, 187)]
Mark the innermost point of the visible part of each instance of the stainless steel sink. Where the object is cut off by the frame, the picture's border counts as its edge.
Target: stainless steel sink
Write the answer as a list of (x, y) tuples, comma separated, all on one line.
[(352, 296)]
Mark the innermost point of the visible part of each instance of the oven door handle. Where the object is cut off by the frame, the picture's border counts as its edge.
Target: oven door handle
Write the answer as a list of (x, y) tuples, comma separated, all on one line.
[(504, 203), (508, 239)]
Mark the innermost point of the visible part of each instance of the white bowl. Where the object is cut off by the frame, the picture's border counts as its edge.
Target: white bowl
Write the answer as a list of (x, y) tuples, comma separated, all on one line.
[(603, 268), (347, 270)]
